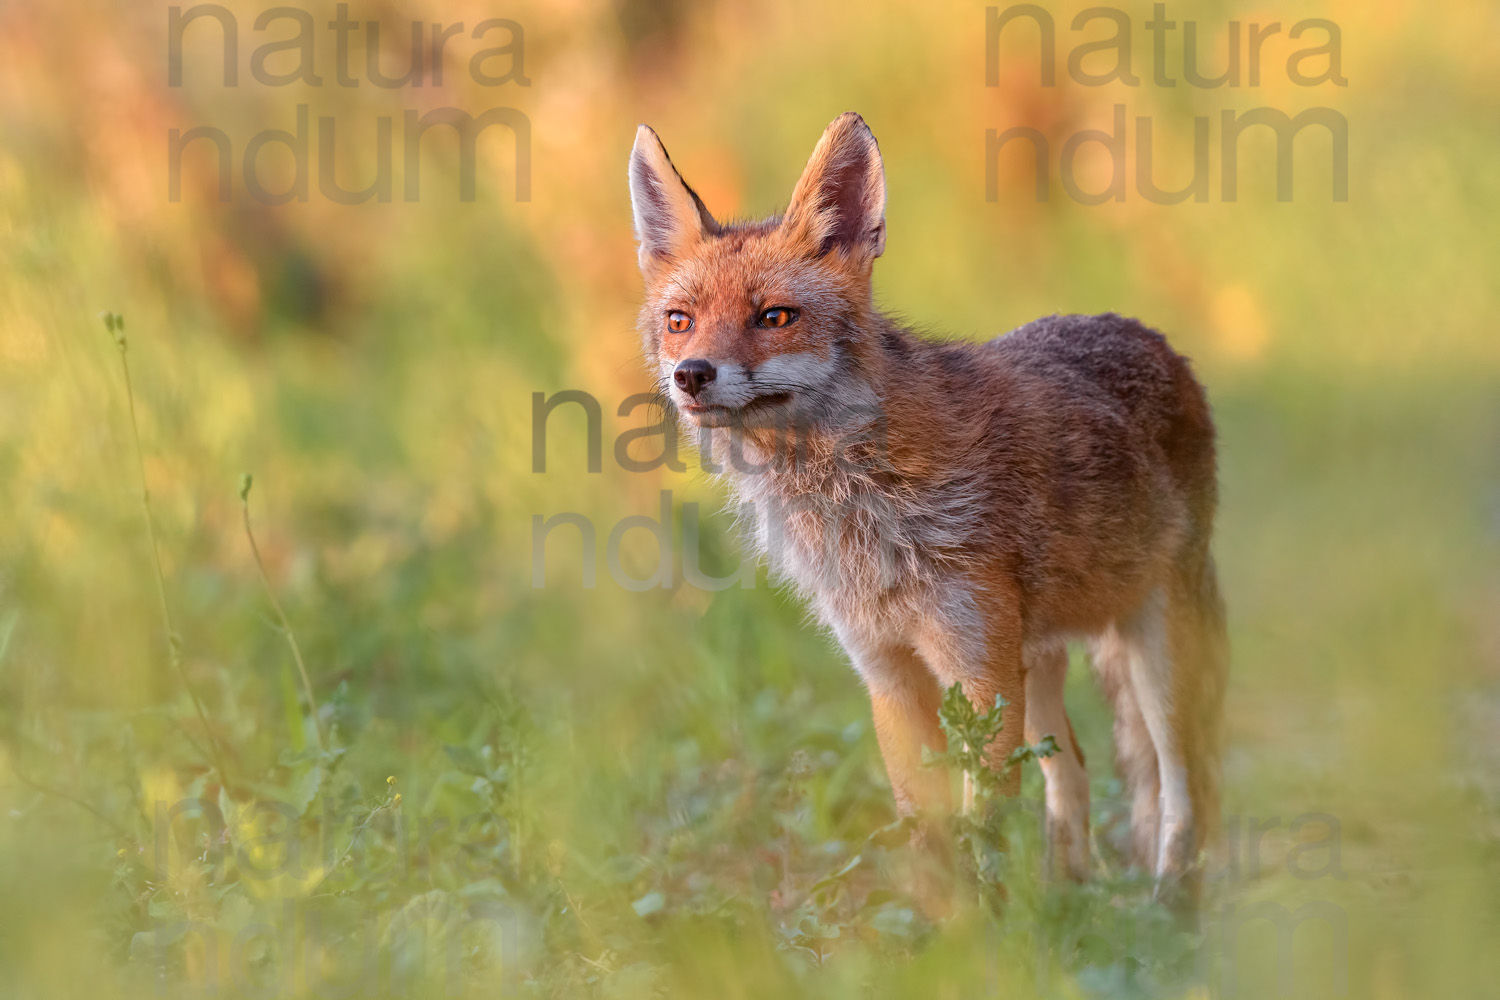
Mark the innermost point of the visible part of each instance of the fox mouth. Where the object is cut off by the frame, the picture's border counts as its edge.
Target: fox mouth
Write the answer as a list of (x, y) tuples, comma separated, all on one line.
[(769, 401)]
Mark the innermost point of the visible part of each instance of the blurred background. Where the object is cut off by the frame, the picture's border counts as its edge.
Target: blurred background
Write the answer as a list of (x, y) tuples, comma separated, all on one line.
[(608, 791)]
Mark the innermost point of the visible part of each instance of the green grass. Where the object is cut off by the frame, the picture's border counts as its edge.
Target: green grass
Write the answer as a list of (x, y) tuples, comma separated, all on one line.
[(616, 794)]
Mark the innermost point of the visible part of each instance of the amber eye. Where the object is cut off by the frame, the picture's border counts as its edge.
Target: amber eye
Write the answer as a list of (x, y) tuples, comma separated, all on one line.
[(679, 322), (778, 316)]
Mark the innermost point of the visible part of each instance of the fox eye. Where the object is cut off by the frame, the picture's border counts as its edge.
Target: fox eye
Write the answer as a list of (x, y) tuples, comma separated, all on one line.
[(777, 316), (679, 322)]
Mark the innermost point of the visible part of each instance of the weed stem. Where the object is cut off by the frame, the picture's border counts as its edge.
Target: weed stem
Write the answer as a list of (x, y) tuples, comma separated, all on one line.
[(286, 626), (116, 325)]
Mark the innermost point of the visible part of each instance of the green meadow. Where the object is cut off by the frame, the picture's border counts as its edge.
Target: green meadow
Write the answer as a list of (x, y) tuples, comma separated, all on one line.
[(349, 727)]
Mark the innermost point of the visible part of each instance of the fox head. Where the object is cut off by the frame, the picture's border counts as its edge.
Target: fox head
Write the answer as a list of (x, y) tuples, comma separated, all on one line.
[(763, 324)]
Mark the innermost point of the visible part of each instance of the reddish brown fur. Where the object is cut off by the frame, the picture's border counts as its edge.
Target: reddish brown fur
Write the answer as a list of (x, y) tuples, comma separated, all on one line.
[(1051, 484)]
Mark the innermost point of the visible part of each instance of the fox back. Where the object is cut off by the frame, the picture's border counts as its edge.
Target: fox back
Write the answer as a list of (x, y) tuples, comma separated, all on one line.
[(954, 511)]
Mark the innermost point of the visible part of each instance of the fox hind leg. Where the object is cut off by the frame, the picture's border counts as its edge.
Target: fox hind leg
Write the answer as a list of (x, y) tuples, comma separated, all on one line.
[(1153, 679), (1163, 670), (1135, 754), (1197, 649)]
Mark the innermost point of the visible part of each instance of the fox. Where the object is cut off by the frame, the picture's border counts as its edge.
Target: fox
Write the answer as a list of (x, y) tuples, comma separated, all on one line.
[(956, 512)]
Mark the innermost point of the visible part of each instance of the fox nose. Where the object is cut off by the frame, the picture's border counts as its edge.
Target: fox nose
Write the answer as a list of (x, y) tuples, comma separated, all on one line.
[(692, 375)]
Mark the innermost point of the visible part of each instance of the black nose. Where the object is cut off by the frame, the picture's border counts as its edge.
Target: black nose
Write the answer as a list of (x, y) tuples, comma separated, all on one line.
[(692, 375)]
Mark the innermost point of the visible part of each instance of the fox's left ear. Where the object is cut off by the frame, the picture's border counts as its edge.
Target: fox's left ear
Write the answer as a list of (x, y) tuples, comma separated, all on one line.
[(839, 203), (669, 215)]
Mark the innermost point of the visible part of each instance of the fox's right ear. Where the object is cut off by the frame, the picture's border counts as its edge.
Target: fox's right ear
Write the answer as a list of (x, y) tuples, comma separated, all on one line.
[(669, 215)]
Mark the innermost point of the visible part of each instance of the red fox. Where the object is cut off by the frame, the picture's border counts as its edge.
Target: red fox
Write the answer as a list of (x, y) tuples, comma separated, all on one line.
[(955, 512)]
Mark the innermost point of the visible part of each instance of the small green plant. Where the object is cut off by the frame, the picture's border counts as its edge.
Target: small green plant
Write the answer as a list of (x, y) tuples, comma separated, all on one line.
[(246, 481), (115, 324), (970, 732), (984, 829)]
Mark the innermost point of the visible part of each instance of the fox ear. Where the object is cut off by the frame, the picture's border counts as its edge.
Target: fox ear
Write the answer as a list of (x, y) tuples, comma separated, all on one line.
[(669, 215), (839, 203)]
